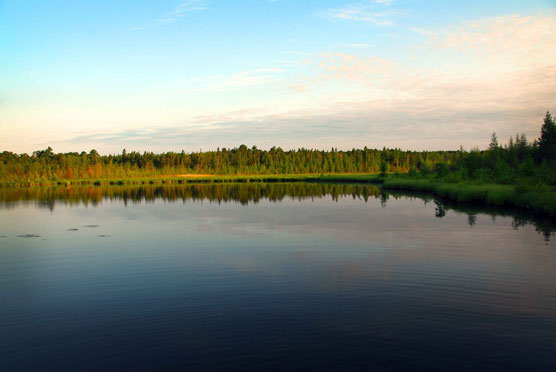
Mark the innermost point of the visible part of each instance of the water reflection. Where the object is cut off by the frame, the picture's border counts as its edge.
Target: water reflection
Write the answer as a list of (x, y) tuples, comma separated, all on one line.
[(307, 277), (245, 193), (235, 192)]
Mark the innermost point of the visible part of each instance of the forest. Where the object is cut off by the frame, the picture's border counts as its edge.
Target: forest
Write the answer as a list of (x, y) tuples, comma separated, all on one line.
[(519, 161)]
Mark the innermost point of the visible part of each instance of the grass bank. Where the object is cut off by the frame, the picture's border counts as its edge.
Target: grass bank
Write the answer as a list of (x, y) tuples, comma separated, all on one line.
[(538, 199), (372, 178)]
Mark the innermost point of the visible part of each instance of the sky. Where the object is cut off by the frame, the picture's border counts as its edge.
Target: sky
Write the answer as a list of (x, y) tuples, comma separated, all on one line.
[(172, 75)]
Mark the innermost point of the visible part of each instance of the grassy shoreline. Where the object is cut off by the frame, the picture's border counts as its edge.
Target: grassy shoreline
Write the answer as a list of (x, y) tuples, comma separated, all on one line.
[(340, 177), (533, 198)]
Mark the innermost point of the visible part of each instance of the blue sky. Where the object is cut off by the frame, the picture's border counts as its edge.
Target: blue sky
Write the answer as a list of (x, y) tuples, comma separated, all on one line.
[(172, 75)]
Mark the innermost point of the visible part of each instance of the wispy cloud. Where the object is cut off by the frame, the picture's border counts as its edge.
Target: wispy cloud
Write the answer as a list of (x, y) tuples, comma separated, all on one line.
[(244, 79), (372, 12), (480, 71), (507, 42), (358, 45), (409, 127), (179, 11)]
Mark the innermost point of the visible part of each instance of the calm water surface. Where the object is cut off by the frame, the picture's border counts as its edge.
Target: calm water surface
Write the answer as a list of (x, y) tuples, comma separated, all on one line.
[(271, 276)]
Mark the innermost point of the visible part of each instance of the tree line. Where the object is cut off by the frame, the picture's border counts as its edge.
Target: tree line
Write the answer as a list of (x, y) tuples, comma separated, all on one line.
[(47, 165), (517, 160)]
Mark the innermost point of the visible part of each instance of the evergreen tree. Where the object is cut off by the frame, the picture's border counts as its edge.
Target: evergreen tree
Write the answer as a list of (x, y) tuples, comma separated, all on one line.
[(547, 141), (493, 142)]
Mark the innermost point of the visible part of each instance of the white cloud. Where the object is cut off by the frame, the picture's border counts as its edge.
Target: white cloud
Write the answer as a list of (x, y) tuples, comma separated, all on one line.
[(474, 75), (369, 12), (179, 11), (507, 42), (358, 45), (239, 80)]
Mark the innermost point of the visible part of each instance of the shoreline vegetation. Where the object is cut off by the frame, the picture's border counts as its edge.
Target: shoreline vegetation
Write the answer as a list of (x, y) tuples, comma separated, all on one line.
[(519, 174)]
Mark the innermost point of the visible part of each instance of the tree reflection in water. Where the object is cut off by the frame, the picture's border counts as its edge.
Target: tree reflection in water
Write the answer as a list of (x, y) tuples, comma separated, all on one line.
[(246, 193)]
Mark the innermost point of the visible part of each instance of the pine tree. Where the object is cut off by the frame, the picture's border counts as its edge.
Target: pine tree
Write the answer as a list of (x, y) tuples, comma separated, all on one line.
[(493, 142), (547, 141)]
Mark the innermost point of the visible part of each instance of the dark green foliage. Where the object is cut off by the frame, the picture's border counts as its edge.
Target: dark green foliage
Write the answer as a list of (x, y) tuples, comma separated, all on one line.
[(493, 142), (519, 162), (547, 141), (502, 172), (441, 169), (383, 168)]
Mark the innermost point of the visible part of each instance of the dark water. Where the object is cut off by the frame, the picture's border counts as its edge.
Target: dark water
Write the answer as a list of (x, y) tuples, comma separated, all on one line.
[(271, 276)]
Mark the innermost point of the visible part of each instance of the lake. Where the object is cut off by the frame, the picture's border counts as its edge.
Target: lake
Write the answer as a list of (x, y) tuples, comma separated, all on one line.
[(257, 276)]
